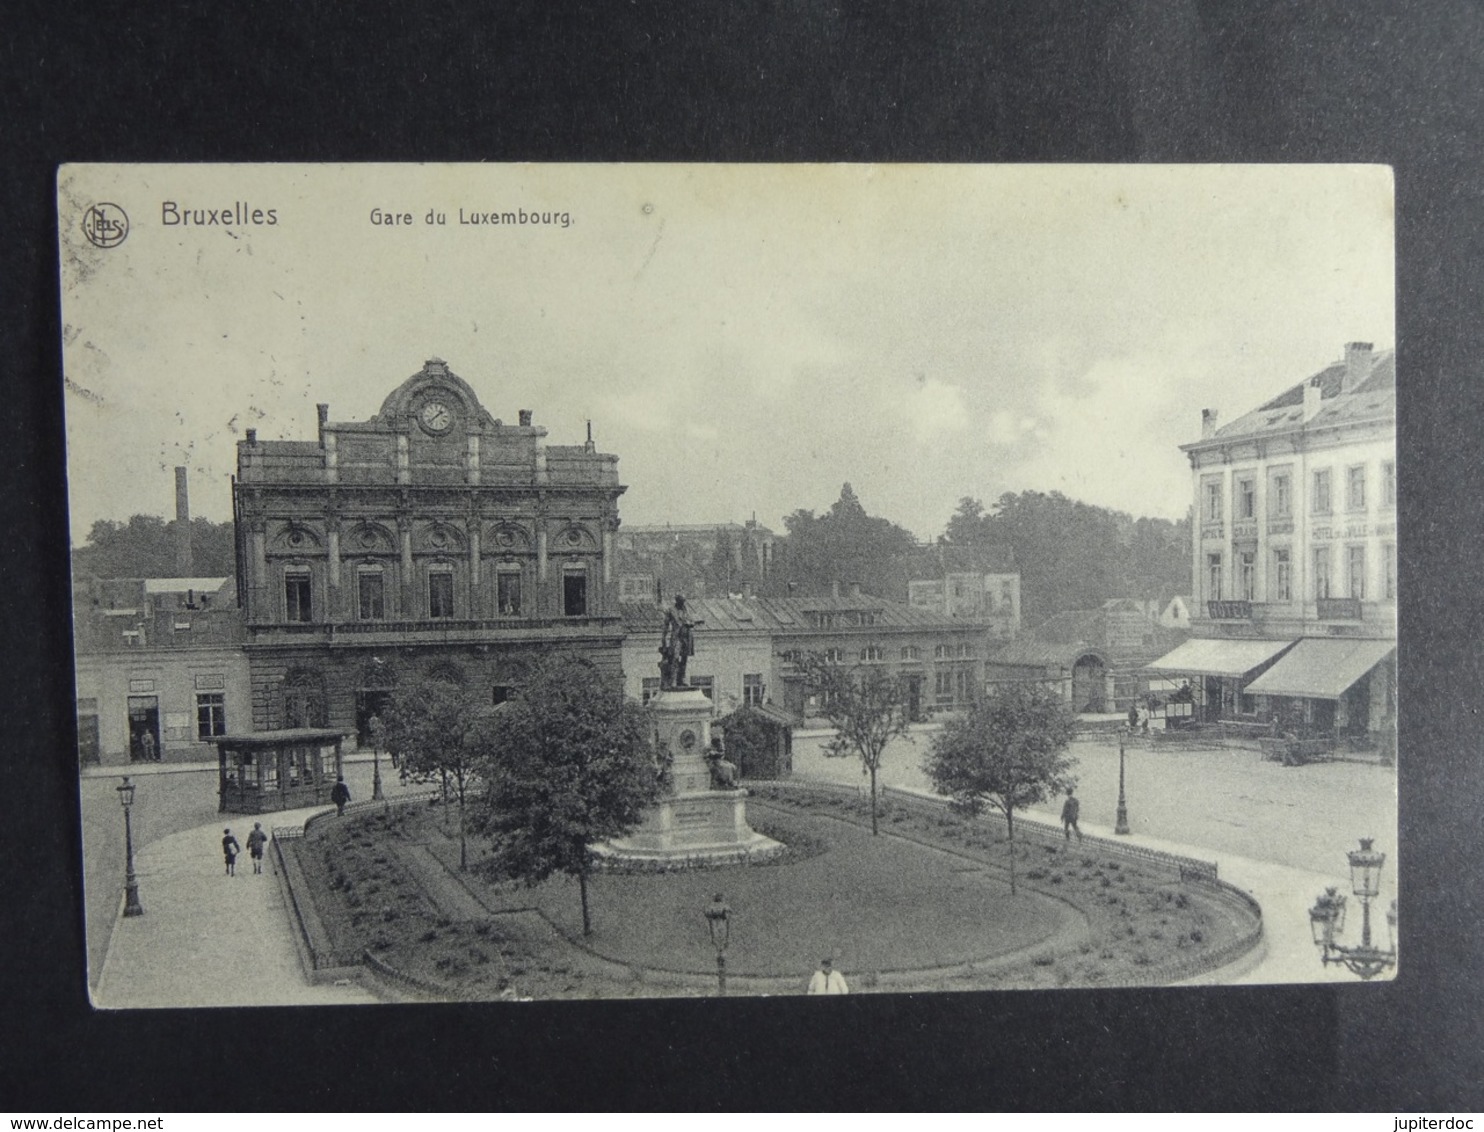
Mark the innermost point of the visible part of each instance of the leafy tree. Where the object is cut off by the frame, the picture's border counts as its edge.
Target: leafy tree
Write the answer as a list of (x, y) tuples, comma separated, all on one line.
[(429, 726), (144, 547), (1007, 751), (865, 707), (1072, 555), (567, 762), (845, 544)]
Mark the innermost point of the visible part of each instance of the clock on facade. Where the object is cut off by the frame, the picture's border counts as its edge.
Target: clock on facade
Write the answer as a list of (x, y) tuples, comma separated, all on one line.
[(436, 416)]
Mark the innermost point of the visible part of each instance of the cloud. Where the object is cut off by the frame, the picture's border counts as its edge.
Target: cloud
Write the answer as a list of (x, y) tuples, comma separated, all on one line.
[(938, 407)]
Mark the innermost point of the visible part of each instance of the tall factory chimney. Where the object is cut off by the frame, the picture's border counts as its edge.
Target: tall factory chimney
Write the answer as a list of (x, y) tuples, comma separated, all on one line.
[(184, 568)]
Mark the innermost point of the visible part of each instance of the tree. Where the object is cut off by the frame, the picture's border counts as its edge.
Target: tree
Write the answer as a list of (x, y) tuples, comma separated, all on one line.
[(566, 761), (430, 727), (144, 547), (1009, 751), (845, 545), (865, 707)]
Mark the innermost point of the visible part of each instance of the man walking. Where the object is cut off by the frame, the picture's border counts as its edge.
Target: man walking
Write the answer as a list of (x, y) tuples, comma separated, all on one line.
[(827, 980), (1070, 811), (340, 795), (256, 840)]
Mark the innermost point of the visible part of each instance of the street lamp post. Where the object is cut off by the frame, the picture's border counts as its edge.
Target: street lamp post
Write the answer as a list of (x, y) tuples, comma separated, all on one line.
[(719, 923), (132, 907), (1120, 824), (376, 728), (1327, 917)]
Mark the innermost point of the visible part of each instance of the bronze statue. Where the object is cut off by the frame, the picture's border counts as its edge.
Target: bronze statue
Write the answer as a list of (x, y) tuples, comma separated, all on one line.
[(677, 645), (723, 770)]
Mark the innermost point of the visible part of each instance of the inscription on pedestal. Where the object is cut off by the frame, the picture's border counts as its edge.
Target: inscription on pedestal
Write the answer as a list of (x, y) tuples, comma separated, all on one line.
[(692, 814)]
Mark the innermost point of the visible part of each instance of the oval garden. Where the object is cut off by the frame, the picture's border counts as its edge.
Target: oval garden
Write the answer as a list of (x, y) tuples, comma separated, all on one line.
[(924, 906)]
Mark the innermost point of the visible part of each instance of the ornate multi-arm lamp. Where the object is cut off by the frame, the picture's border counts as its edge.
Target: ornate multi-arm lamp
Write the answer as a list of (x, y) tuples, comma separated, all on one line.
[(1327, 917)]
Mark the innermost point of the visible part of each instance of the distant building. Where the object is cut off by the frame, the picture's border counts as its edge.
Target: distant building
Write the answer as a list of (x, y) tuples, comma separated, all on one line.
[(1176, 614), (432, 539), (159, 666), (968, 582), (695, 559), (748, 648), (1092, 657), (1295, 563)]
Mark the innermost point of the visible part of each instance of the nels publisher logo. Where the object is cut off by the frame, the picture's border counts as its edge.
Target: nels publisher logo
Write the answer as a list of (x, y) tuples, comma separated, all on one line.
[(105, 225)]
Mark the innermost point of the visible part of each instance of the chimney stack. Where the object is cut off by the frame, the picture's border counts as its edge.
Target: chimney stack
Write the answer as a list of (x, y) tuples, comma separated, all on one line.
[(1313, 394), (855, 589), (525, 418), (1208, 423), (252, 436), (183, 564), (835, 588), (1357, 365)]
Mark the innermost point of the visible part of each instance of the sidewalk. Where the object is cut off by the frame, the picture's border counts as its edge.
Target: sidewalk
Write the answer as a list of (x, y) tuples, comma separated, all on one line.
[(207, 939), (1287, 953)]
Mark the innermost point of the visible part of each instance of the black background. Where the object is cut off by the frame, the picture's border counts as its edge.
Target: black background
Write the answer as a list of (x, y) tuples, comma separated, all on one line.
[(1187, 80)]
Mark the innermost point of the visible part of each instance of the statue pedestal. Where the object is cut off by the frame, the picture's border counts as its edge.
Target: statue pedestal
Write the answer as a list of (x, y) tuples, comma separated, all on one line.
[(693, 824)]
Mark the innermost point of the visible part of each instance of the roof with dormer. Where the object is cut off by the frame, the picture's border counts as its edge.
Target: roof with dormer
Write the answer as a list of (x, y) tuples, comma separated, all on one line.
[(1372, 399)]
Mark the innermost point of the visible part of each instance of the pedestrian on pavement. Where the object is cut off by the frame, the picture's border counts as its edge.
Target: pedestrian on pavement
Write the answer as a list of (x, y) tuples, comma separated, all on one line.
[(827, 980), (340, 795), (1070, 811), (230, 849), (1133, 716), (255, 842), (148, 749)]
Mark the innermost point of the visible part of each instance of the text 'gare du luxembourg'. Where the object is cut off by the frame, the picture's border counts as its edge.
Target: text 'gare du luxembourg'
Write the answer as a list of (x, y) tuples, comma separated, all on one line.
[(434, 539)]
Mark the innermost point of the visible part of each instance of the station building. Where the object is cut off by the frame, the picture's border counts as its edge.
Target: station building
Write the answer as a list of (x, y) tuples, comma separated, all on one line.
[(432, 540)]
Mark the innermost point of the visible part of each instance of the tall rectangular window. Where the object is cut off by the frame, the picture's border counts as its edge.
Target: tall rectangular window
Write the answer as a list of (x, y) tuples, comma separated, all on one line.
[(1355, 570), (574, 593), (1213, 577), (440, 595), (1388, 483), (296, 596), (707, 684), (943, 687), (211, 714), (507, 593), (1246, 499), (1282, 587), (752, 688), (1355, 488), (650, 689), (1246, 575), (1213, 501), (1321, 571), (1388, 565), (1280, 496), (1321, 492), (370, 594)]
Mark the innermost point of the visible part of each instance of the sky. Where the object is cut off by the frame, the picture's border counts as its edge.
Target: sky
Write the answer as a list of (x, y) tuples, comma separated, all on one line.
[(744, 338)]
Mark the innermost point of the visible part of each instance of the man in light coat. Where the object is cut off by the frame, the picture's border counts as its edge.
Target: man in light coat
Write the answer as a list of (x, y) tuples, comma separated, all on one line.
[(827, 980)]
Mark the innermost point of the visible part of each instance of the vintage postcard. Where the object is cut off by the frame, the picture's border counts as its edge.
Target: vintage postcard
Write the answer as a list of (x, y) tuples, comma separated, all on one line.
[(604, 581)]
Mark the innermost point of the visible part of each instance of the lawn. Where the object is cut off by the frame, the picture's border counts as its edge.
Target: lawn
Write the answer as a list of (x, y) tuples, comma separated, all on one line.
[(924, 906)]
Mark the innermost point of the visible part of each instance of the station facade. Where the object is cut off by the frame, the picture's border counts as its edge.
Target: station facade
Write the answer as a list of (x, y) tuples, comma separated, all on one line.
[(431, 540)]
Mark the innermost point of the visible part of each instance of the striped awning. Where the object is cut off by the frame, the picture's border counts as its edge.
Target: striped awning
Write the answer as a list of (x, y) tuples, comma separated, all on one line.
[(1208, 656), (1321, 668)]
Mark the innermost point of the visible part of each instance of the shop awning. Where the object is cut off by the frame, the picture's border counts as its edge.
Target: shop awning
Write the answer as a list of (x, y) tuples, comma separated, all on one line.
[(1203, 656), (1321, 668)]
